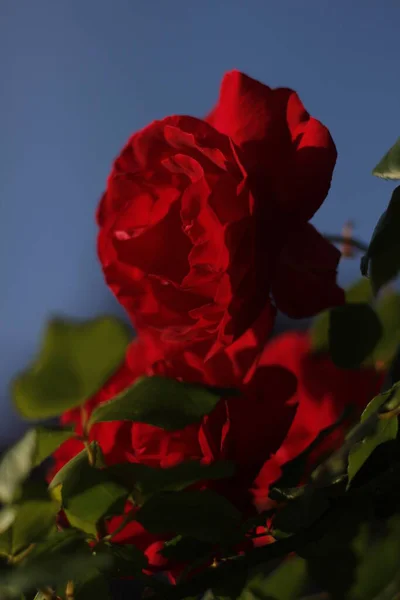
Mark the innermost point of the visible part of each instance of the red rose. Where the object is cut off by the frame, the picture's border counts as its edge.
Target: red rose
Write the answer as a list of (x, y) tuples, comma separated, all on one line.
[(235, 430), (204, 223), (245, 430), (323, 392)]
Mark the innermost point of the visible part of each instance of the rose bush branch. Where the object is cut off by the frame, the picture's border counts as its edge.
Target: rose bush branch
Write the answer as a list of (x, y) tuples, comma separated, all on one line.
[(340, 239)]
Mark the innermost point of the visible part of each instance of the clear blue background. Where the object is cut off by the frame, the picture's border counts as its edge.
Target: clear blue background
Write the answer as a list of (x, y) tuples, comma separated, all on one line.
[(78, 76)]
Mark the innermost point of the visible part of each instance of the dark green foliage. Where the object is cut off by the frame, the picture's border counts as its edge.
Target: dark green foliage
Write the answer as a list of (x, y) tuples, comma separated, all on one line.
[(165, 403), (75, 359), (382, 260), (203, 515), (354, 332)]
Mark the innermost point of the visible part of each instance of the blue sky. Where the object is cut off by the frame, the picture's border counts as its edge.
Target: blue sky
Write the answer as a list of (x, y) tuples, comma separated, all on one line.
[(79, 76)]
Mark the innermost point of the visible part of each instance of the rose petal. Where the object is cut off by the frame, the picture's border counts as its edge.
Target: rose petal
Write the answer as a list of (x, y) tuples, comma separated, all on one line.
[(305, 283), (277, 136), (323, 392)]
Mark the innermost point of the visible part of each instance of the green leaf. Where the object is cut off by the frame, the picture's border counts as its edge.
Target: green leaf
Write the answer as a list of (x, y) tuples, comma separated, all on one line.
[(158, 401), (32, 515), (388, 310), (232, 586), (88, 495), (34, 447), (33, 489), (187, 549), (222, 392), (193, 553), (286, 582), (203, 515), (360, 291), (7, 517), (150, 480), (354, 331), (49, 571), (33, 520), (319, 332), (82, 457), (331, 559), (386, 430), (74, 361), (60, 544), (378, 565), (303, 510), (92, 585), (382, 260), (92, 498), (389, 166), (391, 401), (15, 466), (48, 439), (128, 560), (5, 544), (87, 492)]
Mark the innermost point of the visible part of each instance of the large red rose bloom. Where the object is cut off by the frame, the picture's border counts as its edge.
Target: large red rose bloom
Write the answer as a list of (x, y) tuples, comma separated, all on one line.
[(204, 223), (203, 234)]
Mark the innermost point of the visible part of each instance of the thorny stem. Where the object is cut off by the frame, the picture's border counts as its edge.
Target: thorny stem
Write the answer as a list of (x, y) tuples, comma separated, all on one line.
[(127, 519), (331, 466), (103, 536), (13, 560), (90, 454), (84, 417)]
